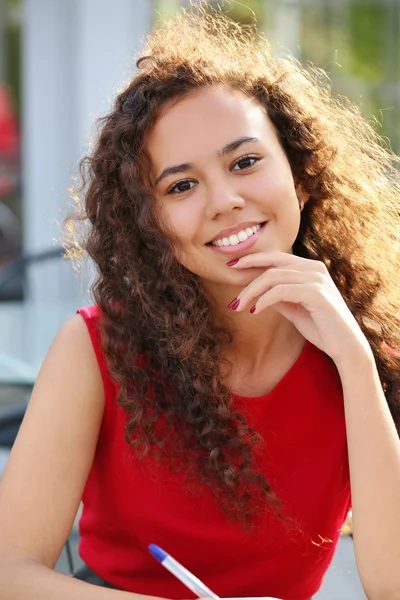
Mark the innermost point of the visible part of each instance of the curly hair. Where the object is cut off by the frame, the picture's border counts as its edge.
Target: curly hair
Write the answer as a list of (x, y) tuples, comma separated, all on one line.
[(162, 346)]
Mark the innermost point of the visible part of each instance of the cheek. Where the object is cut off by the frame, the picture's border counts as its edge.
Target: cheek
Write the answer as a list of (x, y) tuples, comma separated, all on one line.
[(278, 187), (269, 186), (183, 220)]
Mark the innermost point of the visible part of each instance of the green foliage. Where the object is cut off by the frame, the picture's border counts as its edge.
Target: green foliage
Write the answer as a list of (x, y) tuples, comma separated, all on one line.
[(13, 67), (367, 35)]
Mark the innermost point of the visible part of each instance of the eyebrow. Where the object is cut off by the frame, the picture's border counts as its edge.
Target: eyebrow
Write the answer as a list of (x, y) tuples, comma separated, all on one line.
[(225, 150)]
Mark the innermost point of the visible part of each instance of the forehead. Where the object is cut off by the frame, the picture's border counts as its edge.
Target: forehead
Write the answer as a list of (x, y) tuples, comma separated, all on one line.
[(204, 122)]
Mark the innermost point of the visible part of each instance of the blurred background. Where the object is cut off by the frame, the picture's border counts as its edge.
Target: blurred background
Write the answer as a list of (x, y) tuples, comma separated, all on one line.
[(61, 62)]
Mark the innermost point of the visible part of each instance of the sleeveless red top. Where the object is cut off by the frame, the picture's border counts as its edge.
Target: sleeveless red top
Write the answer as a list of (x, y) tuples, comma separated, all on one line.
[(127, 506)]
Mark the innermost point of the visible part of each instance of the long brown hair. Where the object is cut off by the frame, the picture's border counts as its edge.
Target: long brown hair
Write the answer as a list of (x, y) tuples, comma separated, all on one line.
[(162, 346)]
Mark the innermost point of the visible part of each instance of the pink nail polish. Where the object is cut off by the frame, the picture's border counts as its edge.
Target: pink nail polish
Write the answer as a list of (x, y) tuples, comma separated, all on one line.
[(253, 308), (232, 262)]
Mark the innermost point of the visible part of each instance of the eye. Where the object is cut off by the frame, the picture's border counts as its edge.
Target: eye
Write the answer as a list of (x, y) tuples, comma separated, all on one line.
[(245, 162), (181, 187)]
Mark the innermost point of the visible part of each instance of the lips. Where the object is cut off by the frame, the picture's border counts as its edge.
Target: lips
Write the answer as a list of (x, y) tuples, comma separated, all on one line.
[(225, 233), (241, 248)]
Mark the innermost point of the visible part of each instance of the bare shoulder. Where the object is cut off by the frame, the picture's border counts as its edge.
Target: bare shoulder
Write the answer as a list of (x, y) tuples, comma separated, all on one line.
[(70, 370), (74, 336), (52, 456)]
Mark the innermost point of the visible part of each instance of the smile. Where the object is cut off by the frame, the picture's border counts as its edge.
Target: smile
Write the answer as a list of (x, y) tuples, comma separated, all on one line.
[(239, 242), (240, 236)]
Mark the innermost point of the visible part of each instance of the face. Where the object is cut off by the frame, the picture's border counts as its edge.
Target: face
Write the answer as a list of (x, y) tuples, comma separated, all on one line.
[(224, 183)]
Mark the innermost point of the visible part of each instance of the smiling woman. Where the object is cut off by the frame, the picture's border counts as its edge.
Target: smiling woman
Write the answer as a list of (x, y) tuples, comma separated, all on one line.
[(238, 177), (230, 393)]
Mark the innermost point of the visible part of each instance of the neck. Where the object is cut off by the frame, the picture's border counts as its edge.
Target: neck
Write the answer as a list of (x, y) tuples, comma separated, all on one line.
[(257, 338)]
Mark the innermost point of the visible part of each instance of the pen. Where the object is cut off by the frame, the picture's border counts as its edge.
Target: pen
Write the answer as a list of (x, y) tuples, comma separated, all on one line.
[(185, 576)]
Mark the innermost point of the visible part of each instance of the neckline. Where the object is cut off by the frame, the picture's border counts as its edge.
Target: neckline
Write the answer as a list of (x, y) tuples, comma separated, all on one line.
[(298, 362)]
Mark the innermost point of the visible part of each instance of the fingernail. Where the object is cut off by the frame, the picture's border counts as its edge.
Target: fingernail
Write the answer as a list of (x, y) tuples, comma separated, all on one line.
[(253, 308), (232, 262), (234, 304)]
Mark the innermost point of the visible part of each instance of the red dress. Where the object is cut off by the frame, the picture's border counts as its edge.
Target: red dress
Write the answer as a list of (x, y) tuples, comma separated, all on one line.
[(128, 506)]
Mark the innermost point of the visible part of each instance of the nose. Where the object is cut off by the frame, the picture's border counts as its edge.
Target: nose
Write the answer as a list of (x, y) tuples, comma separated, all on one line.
[(222, 198)]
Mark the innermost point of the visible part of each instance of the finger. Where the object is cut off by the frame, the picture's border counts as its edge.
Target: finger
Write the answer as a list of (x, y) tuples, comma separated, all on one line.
[(278, 259), (272, 278), (265, 282), (305, 295)]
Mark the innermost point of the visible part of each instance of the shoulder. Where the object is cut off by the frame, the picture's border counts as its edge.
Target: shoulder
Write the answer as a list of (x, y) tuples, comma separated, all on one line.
[(76, 334), (73, 345), (73, 334), (89, 318)]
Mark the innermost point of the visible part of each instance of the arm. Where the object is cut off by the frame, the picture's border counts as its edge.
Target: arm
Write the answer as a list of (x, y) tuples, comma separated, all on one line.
[(30, 580), (374, 456), (47, 471)]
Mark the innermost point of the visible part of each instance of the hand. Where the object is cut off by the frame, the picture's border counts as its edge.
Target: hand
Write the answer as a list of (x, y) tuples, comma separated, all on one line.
[(303, 291)]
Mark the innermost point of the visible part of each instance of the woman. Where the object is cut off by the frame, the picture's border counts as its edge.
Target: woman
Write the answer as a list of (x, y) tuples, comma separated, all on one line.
[(234, 375)]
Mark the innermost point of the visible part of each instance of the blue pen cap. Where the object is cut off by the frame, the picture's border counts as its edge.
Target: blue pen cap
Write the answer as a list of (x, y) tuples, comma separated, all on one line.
[(157, 552)]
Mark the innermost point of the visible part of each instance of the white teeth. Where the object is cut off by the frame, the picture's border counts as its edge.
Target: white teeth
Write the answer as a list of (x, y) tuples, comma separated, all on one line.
[(241, 236)]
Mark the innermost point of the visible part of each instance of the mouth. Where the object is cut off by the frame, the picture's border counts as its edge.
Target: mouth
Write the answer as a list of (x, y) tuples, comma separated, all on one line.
[(239, 242)]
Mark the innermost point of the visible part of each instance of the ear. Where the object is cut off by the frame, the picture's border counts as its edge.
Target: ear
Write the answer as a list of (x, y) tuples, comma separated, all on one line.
[(301, 193)]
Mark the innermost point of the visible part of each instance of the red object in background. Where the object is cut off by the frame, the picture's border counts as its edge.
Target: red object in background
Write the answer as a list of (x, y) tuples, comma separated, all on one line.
[(8, 124), (9, 144)]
